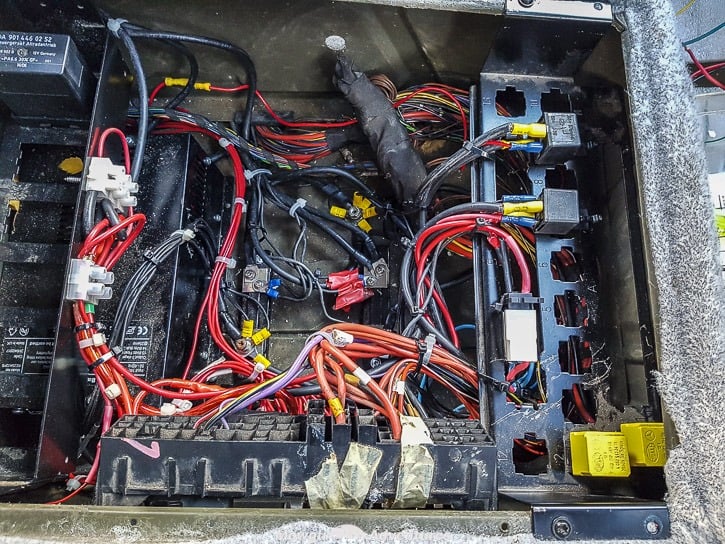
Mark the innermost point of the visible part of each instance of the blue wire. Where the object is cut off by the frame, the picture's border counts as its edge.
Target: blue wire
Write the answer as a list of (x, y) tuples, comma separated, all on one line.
[(705, 35), (466, 327), (459, 408)]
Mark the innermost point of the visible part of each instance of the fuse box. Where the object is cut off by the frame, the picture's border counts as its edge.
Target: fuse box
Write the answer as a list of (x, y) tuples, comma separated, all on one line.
[(270, 282)]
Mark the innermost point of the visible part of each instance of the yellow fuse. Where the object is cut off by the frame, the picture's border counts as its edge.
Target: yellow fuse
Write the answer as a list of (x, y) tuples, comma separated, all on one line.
[(532, 130), (535, 206), (337, 211), (369, 212), (247, 328), (335, 406), (260, 336), (601, 454), (259, 358), (645, 443), (359, 201), (364, 225)]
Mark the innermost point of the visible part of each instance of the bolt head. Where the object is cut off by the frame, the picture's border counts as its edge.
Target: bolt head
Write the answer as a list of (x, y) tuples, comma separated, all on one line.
[(249, 274), (653, 526), (598, 6), (526, 3), (561, 528)]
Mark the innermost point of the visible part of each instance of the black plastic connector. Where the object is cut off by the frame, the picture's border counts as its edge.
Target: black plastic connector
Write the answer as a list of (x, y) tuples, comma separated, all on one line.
[(562, 138), (561, 212)]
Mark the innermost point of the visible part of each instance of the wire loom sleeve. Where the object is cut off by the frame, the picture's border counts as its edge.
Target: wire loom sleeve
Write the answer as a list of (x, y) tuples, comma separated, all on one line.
[(381, 124)]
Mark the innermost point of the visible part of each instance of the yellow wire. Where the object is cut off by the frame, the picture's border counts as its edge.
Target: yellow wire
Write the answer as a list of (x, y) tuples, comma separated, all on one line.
[(684, 8), (538, 379)]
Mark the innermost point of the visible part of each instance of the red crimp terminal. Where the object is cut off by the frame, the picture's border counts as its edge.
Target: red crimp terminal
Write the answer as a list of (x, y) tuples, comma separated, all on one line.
[(351, 294), (338, 280)]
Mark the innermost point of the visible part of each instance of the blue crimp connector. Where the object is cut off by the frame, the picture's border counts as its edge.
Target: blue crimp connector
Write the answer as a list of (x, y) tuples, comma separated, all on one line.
[(527, 222), (518, 198), (273, 288), (529, 147)]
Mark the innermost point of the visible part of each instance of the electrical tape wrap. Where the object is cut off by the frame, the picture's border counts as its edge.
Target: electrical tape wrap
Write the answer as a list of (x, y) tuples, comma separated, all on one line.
[(380, 122)]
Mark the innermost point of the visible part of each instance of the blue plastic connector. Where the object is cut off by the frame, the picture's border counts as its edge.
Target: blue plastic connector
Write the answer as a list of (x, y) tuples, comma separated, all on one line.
[(526, 222), (529, 147), (273, 288)]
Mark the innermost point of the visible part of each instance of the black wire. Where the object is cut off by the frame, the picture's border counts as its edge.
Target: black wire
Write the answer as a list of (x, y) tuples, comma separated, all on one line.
[(143, 97), (241, 54)]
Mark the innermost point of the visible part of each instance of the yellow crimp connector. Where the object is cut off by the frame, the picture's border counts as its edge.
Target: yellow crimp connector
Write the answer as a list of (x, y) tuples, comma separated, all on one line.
[(335, 406), (261, 359), (535, 206), (601, 454), (181, 81), (337, 211), (352, 379), (364, 225), (531, 130), (359, 201), (367, 213), (247, 328), (260, 336), (645, 443)]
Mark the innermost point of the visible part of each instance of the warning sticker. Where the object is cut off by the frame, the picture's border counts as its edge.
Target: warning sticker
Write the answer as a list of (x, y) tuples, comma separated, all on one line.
[(137, 348), (24, 353)]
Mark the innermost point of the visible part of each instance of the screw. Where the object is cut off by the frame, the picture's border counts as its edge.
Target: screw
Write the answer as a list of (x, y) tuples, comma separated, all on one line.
[(561, 528), (250, 274), (354, 213), (217, 218), (598, 6), (370, 280), (73, 179), (258, 285), (526, 3), (379, 270), (653, 526)]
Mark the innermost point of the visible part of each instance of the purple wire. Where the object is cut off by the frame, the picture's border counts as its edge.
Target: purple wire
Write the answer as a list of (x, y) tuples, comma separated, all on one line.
[(290, 375)]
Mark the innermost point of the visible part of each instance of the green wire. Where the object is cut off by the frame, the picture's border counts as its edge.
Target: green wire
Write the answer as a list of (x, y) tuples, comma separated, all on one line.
[(90, 308), (705, 35), (720, 223)]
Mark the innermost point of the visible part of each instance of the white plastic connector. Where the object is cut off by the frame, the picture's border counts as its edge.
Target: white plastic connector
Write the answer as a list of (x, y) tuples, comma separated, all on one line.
[(88, 282), (111, 180), (521, 338), (182, 405), (113, 391), (342, 338), (74, 483), (167, 409)]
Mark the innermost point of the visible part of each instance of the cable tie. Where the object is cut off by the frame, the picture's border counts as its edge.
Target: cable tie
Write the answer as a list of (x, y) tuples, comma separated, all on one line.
[(242, 202), (150, 257), (186, 234), (251, 174), (85, 326), (102, 359), (114, 25), (301, 203), (224, 142), (425, 350), (231, 263), (475, 150)]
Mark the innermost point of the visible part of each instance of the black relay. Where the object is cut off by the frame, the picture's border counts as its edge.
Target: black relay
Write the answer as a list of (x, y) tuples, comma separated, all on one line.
[(43, 77)]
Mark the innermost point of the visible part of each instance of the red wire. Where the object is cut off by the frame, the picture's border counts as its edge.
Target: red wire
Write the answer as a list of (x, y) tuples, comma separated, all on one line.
[(709, 69), (124, 144), (704, 71), (444, 92), (157, 90)]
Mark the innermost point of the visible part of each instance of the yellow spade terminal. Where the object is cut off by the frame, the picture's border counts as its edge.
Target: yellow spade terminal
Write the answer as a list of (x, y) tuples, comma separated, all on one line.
[(600, 454), (530, 130), (645, 443)]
